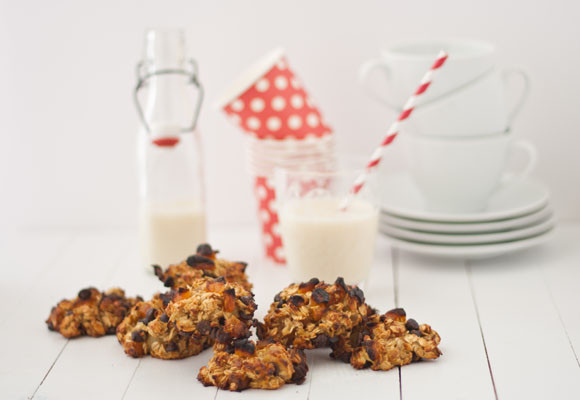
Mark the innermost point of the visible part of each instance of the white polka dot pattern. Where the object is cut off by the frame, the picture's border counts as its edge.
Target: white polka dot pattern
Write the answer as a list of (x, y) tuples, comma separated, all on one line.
[(276, 230), (238, 105), (273, 123), (261, 192), (262, 85), (268, 240), (278, 103), (296, 101), (294, 122), (312, 120), (264, 215), (253, 123), (279, 251), (257, 104), (281, 83)]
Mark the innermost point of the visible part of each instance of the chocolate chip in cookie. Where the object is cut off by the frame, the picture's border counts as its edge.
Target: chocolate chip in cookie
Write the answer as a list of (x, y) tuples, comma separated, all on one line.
[(85, 294), (195, 260), (411, 324), (320, 295), (296, 300), (139, 336), (205, 250)]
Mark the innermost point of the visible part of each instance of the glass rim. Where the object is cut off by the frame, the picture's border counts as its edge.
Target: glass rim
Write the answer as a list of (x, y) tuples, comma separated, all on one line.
[(341, 170)]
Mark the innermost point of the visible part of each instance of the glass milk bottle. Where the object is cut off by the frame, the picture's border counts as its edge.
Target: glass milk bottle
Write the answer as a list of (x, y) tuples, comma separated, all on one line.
[(168, 97)]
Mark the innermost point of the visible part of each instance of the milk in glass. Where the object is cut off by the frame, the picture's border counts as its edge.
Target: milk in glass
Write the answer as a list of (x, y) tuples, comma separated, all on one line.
[(321, 240)]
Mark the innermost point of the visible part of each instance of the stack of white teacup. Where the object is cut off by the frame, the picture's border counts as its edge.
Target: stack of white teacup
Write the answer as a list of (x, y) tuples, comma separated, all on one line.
[(459, 140)]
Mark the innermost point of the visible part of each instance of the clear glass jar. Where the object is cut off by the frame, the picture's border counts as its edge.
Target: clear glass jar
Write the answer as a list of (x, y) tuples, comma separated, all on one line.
[(320, 238), (172, 220)]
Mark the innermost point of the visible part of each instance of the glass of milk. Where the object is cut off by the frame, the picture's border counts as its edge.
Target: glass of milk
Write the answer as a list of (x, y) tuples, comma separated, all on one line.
[(320, 239)]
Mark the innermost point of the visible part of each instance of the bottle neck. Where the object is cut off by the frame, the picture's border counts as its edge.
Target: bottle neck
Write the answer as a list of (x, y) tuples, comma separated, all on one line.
[(167, 103)]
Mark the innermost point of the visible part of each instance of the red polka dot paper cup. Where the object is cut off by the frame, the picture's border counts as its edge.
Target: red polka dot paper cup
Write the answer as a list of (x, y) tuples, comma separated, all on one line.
[(269, 102)]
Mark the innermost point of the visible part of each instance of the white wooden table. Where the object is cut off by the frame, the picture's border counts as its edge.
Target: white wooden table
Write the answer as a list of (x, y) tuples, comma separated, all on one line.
[(510, 326)]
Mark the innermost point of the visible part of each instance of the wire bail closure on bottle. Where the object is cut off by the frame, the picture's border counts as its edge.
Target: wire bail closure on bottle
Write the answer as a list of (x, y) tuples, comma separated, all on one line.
[(193, 78)]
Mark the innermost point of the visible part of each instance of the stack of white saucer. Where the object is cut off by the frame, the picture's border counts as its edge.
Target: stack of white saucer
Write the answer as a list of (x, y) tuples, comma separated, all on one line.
[(517, 217)]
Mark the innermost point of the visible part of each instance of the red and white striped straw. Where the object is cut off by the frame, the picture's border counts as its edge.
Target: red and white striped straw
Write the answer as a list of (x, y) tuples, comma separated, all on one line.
[(395, 127)]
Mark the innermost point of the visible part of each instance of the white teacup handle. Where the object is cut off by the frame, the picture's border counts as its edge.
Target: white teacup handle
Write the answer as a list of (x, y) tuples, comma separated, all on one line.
[(363, 74), (516, 108), (532, 153)]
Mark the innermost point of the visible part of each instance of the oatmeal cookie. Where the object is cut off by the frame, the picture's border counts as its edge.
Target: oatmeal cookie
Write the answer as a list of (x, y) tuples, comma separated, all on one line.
[(245, 364), (91, 313), (391, 340), (315, 314), (148, 330), (222, 310), (203, 264)]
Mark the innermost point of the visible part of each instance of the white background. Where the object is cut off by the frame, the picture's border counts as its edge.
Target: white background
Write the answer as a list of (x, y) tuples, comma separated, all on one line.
[(68, 124)]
